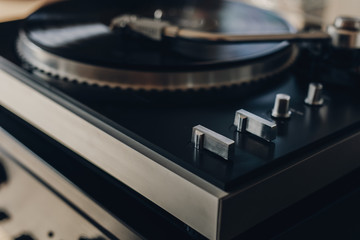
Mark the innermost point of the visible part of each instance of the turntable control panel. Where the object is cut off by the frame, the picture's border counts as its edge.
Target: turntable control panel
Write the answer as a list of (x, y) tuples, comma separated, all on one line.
[(229, 101), (247, 122), (198, 112)]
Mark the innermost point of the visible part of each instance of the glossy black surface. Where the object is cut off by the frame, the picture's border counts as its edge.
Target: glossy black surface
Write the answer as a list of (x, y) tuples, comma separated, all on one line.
[(340, 220), (79, 30), (168, 128), (331, 213)]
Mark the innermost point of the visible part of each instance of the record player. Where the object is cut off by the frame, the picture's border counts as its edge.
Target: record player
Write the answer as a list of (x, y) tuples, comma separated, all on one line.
[(176, 120)]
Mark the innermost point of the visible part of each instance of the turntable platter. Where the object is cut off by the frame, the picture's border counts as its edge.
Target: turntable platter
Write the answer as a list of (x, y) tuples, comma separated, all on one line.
[(72, 40)]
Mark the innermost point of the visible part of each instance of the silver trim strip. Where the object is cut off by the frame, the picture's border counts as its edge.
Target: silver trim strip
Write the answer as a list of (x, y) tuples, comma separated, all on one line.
[(181, 193)]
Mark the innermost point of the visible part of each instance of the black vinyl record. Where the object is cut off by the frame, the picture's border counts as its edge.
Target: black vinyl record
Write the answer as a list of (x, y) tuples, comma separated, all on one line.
[(79, 31)]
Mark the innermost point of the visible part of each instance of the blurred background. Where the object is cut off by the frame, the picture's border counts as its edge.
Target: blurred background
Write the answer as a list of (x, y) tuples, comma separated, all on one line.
[(18, 9), (298, 12)]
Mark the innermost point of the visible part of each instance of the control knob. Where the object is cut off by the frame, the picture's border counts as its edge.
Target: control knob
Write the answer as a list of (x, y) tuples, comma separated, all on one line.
[(281, 106), (314, 97)]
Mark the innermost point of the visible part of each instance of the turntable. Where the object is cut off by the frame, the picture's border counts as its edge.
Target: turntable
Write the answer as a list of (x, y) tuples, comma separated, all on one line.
[(180, 119)]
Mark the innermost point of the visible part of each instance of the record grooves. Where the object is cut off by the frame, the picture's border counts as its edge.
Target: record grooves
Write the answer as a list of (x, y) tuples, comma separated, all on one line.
[(82, 46)]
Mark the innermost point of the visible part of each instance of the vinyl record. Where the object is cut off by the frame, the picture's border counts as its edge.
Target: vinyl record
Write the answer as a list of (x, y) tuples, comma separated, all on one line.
[(73, 40)]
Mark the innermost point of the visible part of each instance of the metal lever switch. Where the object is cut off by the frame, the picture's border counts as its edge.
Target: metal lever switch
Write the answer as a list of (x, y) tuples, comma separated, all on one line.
[(204, 138), (248, 122)]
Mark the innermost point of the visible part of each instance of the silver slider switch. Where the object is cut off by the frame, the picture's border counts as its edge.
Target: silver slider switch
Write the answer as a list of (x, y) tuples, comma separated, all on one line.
[(249, 122), (281, 106), (314, 97), (204, 138)]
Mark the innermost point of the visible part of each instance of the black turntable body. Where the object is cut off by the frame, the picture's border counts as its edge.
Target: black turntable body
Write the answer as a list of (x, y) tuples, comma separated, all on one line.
[(107, 134)]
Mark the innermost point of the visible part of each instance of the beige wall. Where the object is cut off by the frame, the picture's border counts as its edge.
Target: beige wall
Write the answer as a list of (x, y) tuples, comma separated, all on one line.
[(344, 7), (292, 10), (17, 9), (301, 12)]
